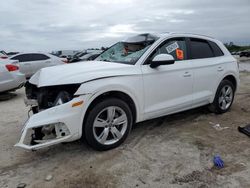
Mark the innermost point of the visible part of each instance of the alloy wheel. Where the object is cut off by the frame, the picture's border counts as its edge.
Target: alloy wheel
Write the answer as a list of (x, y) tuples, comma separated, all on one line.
[(110, 125), (225, 97)]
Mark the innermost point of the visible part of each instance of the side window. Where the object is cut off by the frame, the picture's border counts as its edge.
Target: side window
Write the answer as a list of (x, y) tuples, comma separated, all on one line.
[(200, 48), (216, 49), (175, 47), (22, 58), (38, 57)]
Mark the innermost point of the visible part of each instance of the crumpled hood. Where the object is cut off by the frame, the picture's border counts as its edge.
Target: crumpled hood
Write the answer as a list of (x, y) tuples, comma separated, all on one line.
[(80, 72)]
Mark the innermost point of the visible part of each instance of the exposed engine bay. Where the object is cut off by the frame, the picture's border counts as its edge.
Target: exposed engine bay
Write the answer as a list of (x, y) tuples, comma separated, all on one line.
[(50, 96), (46, 97)]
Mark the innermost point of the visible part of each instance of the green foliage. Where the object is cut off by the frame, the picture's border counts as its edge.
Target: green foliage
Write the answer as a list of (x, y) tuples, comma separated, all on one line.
[(235, 48)]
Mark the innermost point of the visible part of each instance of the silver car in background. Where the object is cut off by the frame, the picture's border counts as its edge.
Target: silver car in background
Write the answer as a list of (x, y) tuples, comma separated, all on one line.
[(10, 76), (30, 63)]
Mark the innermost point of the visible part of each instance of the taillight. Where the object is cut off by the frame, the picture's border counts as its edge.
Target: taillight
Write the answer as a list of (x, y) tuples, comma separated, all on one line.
[(65, 61), (12, 67), (4, 57)]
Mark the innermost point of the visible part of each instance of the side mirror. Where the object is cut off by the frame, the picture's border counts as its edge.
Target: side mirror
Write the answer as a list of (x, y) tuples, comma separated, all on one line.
[(162, 59)]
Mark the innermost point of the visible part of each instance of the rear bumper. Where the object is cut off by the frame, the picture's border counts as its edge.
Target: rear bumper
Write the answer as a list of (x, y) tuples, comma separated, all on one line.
[(16, 81), (66, 119)]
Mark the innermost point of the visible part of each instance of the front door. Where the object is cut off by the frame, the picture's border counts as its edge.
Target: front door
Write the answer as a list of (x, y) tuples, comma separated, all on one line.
[(168, 88)]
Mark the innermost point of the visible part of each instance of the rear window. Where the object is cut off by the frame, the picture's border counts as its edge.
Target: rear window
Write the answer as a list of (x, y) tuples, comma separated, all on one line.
[(216, 49), (200, 49)]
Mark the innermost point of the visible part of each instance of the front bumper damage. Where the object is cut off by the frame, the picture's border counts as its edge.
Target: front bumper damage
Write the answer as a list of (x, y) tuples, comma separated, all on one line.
[(65, 120)]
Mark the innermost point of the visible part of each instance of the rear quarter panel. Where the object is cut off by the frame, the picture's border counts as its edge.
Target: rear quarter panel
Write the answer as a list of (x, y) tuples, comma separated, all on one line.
[(231, 69)]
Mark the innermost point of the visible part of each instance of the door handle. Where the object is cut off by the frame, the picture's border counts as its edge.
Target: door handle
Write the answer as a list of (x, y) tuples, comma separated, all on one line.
[(187, 74), (47, 61), (220, 69), (27, 64)]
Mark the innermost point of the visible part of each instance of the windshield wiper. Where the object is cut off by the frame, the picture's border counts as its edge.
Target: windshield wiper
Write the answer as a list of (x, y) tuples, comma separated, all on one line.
[(105, 60)]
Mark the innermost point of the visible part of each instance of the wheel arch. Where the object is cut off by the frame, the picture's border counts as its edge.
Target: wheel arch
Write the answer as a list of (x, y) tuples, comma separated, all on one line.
[(232, 79), (214, 104), (115, 94)]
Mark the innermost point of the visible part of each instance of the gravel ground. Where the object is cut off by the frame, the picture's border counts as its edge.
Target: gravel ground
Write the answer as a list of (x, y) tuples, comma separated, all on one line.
[(172, 151)]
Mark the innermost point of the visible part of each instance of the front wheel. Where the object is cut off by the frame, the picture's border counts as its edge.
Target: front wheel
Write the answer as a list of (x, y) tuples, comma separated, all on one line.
[(224, 97), (108, 124)]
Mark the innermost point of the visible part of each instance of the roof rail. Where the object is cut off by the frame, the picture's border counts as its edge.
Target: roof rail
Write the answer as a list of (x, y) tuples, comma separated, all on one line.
[(191, 34)]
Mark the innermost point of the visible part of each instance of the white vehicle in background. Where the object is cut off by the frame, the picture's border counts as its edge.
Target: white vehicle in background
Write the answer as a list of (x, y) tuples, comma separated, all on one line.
[(30, 63), (141, 78), (10, 77)]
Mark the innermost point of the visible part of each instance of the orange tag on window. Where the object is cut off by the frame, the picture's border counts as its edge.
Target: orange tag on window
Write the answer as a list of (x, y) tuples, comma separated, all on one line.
[(179, 54)]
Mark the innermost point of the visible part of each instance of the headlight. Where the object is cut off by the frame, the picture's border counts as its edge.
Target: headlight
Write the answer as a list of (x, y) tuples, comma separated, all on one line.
[(62, 97)]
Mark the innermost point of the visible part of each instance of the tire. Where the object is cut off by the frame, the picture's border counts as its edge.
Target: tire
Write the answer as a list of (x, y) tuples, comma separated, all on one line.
[(111, 119), (222, 103)]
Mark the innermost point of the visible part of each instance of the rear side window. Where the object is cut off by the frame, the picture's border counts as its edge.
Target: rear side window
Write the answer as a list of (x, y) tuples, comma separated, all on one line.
[(22, 58), (216, 49), (30, 57), (200, 49), (38, 57)]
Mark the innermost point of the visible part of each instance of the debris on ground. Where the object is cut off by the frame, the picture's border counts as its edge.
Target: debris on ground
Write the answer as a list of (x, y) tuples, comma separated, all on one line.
[(218, 162), (49, 177), (245, 130), (218, 127)]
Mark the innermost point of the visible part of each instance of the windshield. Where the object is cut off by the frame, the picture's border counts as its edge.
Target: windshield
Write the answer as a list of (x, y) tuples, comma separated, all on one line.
[(129, 51)]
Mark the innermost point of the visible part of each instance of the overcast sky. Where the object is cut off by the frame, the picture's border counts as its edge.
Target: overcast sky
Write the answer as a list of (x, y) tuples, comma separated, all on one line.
[(47, 25)]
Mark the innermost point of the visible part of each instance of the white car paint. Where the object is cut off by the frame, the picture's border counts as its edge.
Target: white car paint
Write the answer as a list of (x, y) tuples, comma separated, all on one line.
[(10, 80), (80, 72), (156, 92), (31, 67)]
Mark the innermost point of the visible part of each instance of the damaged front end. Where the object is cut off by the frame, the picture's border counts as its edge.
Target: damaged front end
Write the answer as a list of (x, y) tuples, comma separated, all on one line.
[(55, 118)]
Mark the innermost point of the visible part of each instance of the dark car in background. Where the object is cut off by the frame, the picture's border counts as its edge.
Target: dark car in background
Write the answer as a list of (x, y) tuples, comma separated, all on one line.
[(3, 55), (90, 56), (85, 56), (77, 56), (245, 54)]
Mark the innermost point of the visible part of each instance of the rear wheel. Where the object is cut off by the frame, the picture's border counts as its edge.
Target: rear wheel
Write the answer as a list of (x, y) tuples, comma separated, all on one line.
[(108, 124), (224, 97)]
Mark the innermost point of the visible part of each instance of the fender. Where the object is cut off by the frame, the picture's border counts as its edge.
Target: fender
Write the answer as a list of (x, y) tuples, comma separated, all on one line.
[(130, 85)]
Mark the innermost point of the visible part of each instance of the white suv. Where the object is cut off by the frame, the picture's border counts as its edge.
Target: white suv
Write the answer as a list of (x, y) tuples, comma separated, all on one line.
[(143, 77)]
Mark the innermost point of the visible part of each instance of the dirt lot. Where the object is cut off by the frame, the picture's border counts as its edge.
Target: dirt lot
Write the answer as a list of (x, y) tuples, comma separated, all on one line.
[(173, 151)]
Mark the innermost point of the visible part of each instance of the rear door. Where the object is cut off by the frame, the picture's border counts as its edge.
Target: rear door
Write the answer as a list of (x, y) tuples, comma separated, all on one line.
[(25, 64), (39, 61), (208, 67)]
